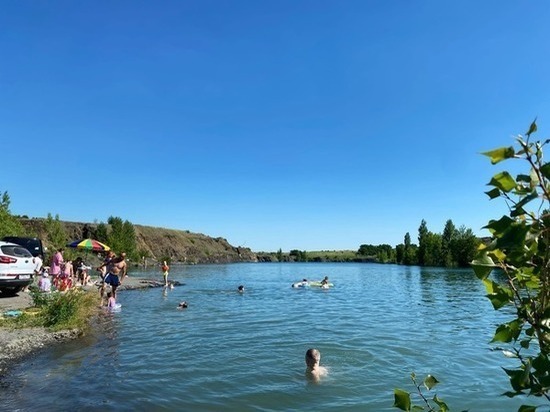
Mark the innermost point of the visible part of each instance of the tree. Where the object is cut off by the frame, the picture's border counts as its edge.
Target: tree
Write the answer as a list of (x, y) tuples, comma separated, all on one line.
[(464, 246), (9, 224), (422, 245), (101, 233), (449, 233), (409, 251), (55, 231), (122, 237), (520, 248)]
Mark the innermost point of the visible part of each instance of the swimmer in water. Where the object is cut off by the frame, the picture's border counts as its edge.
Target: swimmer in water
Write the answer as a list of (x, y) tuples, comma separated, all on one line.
[(313, 370), (183, 305), (241, 289)]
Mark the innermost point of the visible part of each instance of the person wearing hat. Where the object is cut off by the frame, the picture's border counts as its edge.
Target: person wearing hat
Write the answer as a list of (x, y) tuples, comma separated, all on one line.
[(45, 284)]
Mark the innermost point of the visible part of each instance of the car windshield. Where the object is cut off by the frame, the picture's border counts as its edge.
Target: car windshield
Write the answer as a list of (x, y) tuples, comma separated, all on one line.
[(16, 251), (33, 245)]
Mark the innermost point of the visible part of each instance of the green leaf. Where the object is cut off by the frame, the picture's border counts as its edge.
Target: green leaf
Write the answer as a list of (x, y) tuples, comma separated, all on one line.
[(500, 154), (430, 381), (493, 193), (518, 208), (532, 128), (499, 226), (513, 237), (504, 181), (498, 295), (483, 266), (402, 400), (523, 178), (519, 379), (442, 405), (507, 332), (527, 408), (541, 363), (545, 170)]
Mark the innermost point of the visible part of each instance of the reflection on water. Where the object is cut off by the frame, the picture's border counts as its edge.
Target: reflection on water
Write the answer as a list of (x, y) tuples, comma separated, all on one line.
[(231, 351)]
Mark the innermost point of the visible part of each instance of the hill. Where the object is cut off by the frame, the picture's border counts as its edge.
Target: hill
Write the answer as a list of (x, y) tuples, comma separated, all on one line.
[(157, 243)]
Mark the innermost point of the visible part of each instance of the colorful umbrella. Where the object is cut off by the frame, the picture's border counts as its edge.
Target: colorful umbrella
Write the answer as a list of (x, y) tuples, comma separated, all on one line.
[(89, 244)]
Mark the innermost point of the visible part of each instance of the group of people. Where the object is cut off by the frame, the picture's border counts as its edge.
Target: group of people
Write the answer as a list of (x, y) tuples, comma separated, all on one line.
[(64, 274)]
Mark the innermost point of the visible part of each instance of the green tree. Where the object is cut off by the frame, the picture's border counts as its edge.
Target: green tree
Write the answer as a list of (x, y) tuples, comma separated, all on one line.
[(464, 246), (399, 253), (102, 233), (521, 250), (55, 232), (9, 224), (409, 251), (422, 242), (280, 255), (449, 233), (122, 237)]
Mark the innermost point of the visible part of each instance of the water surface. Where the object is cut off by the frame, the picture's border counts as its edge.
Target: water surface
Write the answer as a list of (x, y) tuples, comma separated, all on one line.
[(236, 352)]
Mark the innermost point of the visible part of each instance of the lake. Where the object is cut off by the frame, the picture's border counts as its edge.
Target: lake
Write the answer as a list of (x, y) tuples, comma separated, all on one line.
[(236, 352)]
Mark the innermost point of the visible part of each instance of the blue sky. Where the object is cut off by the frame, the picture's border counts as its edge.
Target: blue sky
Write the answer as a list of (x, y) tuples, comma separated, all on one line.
[(311, 125)]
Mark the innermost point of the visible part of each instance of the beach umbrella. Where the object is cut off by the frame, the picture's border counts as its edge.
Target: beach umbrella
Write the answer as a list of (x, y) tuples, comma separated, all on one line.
[(89, 244)]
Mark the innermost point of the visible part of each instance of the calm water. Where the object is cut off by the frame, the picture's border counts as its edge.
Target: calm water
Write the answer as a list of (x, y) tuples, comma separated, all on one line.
[(246, 352)]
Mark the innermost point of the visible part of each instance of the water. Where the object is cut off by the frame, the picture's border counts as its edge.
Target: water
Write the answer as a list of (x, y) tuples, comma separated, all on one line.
[(238, 352)]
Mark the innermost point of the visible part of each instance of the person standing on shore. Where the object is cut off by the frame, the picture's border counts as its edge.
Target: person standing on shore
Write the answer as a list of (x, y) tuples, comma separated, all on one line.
[(117, 273), (122, 265), (56, 263), (165, 268)]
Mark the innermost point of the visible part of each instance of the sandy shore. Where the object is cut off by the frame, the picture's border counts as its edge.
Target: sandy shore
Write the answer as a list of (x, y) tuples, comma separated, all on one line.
[(18, 343)]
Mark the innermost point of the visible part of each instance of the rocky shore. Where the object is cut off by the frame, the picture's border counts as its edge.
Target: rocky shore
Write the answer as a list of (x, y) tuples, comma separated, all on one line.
[(16, 344)]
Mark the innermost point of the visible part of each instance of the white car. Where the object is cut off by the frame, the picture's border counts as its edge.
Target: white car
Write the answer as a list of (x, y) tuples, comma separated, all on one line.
[(16, 268)]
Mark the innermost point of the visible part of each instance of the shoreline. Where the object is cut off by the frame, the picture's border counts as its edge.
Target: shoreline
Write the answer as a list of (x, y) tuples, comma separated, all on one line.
[(17, 344)]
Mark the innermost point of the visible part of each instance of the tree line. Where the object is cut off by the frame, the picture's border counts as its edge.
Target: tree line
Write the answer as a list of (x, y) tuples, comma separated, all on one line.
[(119, 234), (455, 247)]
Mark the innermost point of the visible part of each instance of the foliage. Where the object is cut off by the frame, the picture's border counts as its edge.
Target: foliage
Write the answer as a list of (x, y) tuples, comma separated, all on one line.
[(101, 233), (65, 310), (298, 255), (55, 232), (520, 248), (122, 237), (57, 310), (402, 399), (455, 247), (409, 251), (9, 224), (379, 253)]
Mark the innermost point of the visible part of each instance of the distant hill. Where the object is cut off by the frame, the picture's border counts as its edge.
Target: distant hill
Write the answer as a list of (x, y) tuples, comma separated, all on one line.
[(180, 245)]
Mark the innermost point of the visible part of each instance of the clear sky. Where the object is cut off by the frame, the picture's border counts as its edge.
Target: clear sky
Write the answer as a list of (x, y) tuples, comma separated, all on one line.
[(311, 125)]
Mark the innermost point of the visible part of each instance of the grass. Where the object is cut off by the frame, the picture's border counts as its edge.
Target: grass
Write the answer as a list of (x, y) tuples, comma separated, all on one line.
[(56, 311)]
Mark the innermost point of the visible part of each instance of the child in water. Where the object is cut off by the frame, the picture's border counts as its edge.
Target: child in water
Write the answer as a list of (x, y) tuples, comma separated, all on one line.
[(111, 302), (313, 369)]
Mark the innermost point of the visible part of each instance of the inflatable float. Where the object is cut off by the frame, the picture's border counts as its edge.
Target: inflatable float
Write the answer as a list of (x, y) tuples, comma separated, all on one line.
[(312, 284)]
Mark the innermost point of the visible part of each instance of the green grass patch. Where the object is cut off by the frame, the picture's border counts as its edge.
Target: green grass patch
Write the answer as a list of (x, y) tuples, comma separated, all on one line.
[(56, 311)]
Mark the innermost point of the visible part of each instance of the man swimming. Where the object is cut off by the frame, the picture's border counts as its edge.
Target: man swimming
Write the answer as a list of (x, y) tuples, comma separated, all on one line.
[(313, 369)]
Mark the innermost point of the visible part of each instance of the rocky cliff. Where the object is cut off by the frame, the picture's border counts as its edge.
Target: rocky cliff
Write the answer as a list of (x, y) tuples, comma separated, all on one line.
[(158, 243)]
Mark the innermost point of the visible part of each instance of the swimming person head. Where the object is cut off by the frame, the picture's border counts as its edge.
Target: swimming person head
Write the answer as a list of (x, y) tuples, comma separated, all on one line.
[(313, 368), (241, 288), (183, 305)]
